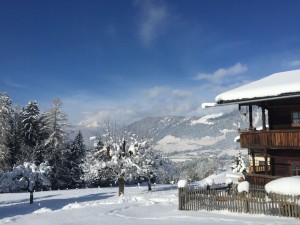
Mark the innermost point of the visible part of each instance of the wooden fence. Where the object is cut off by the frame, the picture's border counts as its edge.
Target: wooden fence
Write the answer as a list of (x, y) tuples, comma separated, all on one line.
[(255, 202)]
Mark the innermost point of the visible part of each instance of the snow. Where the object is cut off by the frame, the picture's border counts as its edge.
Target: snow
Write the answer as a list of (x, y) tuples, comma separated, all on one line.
[(243, 187), (182, 184), (209, 181), (170, 143), (205, 119), (237, 139), (222, 178), (207, 105), (274, 85), (102, 206), (285, 186)]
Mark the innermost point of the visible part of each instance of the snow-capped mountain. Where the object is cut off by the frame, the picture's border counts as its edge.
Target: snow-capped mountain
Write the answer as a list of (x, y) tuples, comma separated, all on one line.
[(188, 137)]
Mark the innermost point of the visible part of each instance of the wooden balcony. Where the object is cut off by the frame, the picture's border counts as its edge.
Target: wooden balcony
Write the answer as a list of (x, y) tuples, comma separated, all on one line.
[(258, 169), (276, 139)]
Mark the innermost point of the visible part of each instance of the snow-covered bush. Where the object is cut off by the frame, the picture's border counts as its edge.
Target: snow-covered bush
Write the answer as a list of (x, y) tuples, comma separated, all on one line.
[(239, 165), (25, 177)]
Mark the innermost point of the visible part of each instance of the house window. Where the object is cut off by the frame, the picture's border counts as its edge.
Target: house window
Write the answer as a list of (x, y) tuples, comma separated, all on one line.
[(295, 167), (296, 119)]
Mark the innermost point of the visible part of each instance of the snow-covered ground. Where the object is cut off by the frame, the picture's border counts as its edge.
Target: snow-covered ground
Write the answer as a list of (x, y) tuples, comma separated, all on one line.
[(102, 206)]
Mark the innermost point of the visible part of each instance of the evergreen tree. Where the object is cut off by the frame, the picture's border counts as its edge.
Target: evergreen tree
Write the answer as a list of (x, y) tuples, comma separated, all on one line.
[(56, 121), (7, 159), (31, 129), (76, 159), (14, 138), (56, 144), (239, 164), (31, 126)]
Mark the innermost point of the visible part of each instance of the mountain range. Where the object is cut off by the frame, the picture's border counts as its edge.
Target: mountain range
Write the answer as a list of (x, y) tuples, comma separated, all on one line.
[(183, 138)]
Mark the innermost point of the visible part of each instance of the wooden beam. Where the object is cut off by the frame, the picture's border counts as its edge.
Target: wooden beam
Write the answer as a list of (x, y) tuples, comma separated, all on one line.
[(250, 118), (266, 163)]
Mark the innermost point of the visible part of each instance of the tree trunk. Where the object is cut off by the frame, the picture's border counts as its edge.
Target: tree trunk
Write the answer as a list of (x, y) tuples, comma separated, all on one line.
[(121, 185), (149, 184), (31, 197), (30, 190)]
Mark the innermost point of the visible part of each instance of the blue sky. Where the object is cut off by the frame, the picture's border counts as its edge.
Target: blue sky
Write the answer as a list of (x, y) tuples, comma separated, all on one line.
[(127, 59)]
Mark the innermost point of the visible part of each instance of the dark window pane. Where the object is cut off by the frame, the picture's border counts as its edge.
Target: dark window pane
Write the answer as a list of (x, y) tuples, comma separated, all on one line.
[(295, 115)]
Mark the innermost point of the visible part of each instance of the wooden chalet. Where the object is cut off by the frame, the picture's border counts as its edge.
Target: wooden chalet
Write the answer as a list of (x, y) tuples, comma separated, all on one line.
[(275, 148)]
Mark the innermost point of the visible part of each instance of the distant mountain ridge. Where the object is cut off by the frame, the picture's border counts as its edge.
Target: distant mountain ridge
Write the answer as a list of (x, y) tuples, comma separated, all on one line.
[(177, 135), (190, 133)]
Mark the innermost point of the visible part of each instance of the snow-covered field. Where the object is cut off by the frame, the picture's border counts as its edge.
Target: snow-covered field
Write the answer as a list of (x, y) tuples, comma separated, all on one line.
[(102, 206)]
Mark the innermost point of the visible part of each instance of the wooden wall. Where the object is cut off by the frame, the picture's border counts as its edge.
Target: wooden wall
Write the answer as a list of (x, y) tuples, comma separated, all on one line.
[(281, 118), (280, 113), (281, 160)]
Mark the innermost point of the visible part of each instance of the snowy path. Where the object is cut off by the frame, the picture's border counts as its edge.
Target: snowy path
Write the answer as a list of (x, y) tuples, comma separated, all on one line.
[(102, 206)]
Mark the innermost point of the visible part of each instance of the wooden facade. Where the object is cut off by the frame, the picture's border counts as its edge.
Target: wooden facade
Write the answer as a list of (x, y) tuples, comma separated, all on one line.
[(279, 142)]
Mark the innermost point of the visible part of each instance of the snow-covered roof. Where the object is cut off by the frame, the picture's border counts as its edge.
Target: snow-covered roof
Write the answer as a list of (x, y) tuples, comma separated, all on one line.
[(284, 84)]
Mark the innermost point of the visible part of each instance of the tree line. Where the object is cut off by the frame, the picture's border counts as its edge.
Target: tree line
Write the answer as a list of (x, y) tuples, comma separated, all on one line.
[(35, 149)]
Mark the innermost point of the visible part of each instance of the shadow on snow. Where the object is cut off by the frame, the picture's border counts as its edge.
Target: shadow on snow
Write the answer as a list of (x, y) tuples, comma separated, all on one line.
[(40, 202)]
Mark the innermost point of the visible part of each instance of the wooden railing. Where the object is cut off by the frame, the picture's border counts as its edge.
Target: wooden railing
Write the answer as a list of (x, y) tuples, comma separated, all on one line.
[(270, 139), (258, 169), (255, 202), (259, 179)]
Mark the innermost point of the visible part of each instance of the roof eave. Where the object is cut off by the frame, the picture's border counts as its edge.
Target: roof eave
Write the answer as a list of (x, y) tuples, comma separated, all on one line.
[(256, 100)]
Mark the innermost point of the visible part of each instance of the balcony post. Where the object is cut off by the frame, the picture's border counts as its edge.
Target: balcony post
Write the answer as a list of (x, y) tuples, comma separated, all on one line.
[(250, 118), (263, 113), (253, 161), (266, 163)]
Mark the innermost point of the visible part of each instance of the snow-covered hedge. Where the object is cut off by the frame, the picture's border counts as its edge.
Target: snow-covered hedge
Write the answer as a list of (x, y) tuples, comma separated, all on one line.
[(284, 186)]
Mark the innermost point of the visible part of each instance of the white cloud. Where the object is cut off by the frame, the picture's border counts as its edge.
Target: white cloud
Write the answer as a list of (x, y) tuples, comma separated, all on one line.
[(181, 93), (157, 101), (294, 63), (83, 107), (12, 83), (152, 20), (218, 76), (162, 91), (156, 91)]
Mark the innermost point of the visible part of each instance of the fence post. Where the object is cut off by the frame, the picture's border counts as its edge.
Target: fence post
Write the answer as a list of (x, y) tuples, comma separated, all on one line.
[(181, 198)]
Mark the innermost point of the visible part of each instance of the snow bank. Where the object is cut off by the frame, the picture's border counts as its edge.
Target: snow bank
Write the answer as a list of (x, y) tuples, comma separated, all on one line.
[(227, 178), (42, 210), (228, 181), (182, 184), (284, 186), (234, 176), (243, 187), (209, 181)]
